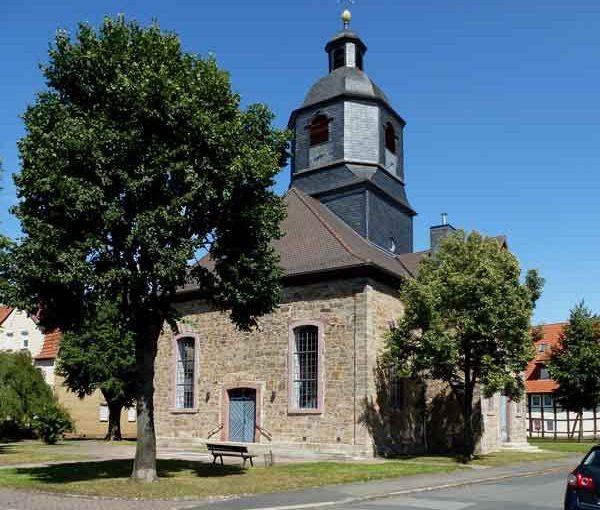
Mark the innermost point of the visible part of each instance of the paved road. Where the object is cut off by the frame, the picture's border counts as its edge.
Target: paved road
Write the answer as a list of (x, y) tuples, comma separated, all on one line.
[(540, 492), (531, 493)]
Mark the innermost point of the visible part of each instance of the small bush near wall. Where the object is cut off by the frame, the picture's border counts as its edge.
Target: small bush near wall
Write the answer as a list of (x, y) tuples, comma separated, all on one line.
[(51, 423), (27, 404)]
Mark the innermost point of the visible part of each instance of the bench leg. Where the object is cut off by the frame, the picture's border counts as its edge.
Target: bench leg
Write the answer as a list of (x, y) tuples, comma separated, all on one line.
[(244, 462), (251, 463), (222, 460)]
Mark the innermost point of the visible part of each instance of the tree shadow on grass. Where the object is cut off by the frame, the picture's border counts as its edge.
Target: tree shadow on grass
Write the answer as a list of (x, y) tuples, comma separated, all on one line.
[(110, 469)]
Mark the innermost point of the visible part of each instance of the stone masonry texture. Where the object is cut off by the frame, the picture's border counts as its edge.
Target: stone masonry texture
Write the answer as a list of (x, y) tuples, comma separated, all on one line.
[(355, 314)]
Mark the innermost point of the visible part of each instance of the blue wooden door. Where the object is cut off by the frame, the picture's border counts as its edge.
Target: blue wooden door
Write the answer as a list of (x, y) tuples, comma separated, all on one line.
[(242, 415)]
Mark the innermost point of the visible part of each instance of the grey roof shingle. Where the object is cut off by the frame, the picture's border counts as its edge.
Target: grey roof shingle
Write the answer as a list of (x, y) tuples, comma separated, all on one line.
[(315, 240), (344, 80)]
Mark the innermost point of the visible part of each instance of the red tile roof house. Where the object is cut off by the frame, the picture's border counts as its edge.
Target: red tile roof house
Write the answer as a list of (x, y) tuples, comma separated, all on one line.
[(89, 414), (545, 416), (20, 331)]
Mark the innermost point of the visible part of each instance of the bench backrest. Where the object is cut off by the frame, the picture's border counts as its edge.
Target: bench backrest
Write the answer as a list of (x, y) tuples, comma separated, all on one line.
[(227, 448)]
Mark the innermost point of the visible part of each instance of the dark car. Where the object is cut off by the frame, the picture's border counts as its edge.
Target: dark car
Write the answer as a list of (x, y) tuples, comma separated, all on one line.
[(583, 484)]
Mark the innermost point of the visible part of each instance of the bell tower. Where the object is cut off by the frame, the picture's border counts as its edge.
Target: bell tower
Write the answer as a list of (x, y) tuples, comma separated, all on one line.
[(348, 148)]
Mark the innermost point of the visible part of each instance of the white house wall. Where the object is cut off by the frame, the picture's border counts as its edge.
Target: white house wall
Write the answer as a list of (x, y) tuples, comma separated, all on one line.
[(19, 332)]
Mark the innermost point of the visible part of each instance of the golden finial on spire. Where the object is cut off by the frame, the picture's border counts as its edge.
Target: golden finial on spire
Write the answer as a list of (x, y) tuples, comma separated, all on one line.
[(346, 18)]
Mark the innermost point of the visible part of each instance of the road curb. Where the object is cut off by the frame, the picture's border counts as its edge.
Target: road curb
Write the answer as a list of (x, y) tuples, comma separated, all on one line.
[(416, 490)]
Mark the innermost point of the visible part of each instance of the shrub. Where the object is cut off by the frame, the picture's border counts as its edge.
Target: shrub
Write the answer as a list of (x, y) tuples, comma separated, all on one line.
[(23, 393), (51, 423)]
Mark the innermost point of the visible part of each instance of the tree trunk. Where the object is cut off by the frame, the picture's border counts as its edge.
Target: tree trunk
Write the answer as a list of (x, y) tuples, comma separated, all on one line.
[(114, 419), (469, 440), (144, 465), (580, 436)]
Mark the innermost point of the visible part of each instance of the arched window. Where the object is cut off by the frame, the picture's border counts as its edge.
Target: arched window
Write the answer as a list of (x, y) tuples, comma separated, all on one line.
[(319, 130), (390, 138), (306, 367), (185, 373)]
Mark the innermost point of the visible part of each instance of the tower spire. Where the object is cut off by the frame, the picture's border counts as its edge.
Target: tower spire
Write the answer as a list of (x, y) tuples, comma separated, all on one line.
[(346, 18)]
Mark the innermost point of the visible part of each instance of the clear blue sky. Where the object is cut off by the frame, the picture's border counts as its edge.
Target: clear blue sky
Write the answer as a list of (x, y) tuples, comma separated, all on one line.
[(502, 100)]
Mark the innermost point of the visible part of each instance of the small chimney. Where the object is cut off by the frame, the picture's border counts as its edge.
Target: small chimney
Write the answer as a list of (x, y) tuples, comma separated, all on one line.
[(439, 232)]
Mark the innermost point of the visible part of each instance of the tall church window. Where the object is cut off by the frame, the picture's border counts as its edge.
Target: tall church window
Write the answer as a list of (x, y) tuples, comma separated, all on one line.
[(390, 138), (396, 388), (305, 368), (319, 130), (186, 358)]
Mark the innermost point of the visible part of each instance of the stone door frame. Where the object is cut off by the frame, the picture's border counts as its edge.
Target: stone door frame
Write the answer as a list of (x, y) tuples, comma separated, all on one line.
[(225, 407)]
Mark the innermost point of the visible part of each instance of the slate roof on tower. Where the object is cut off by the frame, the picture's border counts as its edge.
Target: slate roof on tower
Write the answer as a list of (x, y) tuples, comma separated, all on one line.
[(316, 240), (349, 81)]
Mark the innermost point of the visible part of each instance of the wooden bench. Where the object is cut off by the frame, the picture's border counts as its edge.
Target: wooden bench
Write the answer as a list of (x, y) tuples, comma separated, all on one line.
[(229, 450)]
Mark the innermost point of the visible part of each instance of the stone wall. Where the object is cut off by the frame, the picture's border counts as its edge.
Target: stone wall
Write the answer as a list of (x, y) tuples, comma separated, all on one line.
[(355, 419), (228, 358)]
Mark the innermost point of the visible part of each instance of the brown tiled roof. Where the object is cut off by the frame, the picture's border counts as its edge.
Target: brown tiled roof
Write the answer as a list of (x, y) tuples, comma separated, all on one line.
[(5, 311), (315, 240), (51, 345), (551, 337), (412, 261)]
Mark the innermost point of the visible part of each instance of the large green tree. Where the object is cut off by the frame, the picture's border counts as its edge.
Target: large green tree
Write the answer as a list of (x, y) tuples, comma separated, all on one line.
[(137, 158), (467, 321), (100, 355), (575, 363)]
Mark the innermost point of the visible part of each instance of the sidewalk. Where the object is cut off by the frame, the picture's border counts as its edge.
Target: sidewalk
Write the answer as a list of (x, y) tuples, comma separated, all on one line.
[(303, 498)]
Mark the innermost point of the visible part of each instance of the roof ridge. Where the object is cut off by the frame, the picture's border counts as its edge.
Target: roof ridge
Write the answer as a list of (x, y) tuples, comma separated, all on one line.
[(404, 266), (324, 223)]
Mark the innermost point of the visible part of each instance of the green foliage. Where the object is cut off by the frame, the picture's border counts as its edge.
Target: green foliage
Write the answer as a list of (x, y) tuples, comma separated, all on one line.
[(137, 158), (51, 423), (575, 362), (6, 246), (467, 319), (23, 392), (100, 356)]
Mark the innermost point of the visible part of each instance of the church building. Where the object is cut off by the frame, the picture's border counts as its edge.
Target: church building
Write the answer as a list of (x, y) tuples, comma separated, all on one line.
[(310, 380)]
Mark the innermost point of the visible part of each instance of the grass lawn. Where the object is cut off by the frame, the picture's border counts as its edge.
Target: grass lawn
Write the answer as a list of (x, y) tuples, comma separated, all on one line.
[(563, 445), (505, 458), (199, 479), (502, 458), (190, 479), (32, 452)]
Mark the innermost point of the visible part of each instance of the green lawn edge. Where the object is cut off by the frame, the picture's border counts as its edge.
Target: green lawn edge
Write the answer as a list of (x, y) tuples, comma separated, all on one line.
[(200, 480), (192, 479)]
